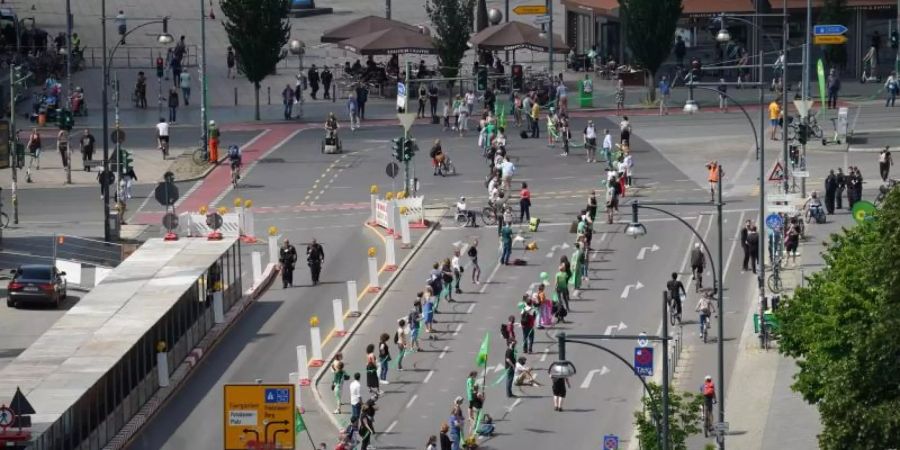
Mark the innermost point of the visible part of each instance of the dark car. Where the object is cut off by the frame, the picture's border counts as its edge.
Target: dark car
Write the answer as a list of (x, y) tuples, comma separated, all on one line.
[(36, 283)]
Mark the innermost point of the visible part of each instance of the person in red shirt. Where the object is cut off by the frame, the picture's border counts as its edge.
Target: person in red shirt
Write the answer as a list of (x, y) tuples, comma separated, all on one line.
[(525, 203)]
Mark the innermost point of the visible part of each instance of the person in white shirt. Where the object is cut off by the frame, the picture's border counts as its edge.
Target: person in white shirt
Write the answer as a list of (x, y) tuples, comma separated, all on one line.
[(461, 208), (524, 375), (607, 148), (507, 170), (355, 396), (162, 133), (463, 118), (401, 340), (629, 165), (457, 271), (590, 141), (500, 140), (470, 102)]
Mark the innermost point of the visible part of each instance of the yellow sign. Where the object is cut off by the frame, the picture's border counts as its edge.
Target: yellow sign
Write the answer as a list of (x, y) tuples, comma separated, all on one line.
[(829, 39), (530, 10), (259, 416)]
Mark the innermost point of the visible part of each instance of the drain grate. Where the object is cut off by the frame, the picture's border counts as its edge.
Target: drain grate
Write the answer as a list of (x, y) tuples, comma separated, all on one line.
[(270, 160)]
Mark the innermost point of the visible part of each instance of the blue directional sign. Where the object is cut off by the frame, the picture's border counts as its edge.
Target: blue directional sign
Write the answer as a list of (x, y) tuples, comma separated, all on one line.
[(829, 30), (278, 396), (610, 442), (774, 221), (643, 361)]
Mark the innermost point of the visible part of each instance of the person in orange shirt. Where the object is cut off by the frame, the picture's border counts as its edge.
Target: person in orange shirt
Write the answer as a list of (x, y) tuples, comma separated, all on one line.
[(774, 115), (715, 175)]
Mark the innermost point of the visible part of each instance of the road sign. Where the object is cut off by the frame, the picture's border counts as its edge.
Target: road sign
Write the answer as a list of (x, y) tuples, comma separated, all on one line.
[(259, 416), (117, 136), (170, 221), (530, 10), (642, 340), (406, 119), (774, 222), (787, 209), (401, 96), (721, 427), (542, 19), (214, 220), (643, 361), (777, 173), (800, 173), (863, 211), (829, 40), (392, 169), (166, 193), (803, 106), (826, 30), (776, 197), (610, 442), (7, 417)]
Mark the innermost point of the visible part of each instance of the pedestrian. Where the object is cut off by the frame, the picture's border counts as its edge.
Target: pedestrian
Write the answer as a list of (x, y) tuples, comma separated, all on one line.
[(524, 203), (366, 427), (175, 65), (455, 423), (590, 142), (173, 105), (620, 96), (121, 25), (625, 134), (34, 149), (607, 148), (230, 61), (362, 96), (457, 271), (722, 88), (680, 50), (854, 185), (446, 443), (885, 161), (128, 179), (433, 100), (792, 240), (535, 120), (401, 338), (428, 311), (355, 397), (212, 134), (559, 392), (841, 180), (562, 285), (327, 77), (384, 357), (353, 112), (372, 381), (527, 321), (471, 390), (834, 87), (463, 118), (562, 97), (312, 76), (62, 145), (287, 99), (753, 247), (87, 149), (774, 116), (891, 88), (629, 169), (337, 381), (422, 97), (830, 190), (665, 92), (141, 90), (745, 246), (577, 274), (509, 365), (473, 258), (315, 258), (184, 81), (431, 443), (505, 243), (287, 258)]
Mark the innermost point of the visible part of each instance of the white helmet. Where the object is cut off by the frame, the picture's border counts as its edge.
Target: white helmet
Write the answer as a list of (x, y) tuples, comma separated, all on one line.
[(696, 245), (709, 378), (212, 122)]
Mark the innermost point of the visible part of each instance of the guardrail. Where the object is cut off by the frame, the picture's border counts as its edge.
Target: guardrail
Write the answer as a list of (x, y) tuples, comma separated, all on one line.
[(675, 351), (135, 57)]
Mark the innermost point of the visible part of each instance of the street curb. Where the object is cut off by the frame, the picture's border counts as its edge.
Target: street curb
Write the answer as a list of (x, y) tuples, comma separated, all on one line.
[(185, 369), (358, 322)]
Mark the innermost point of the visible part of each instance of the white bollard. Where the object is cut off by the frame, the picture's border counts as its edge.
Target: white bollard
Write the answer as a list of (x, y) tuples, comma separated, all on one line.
[(239, 210), (302, 366), (338, 309), (390, 256), (315, 338), (374, 201), (256, 260), (294, 379), (391, 215), (218, 307), (406, 238), (249, 230), (162, 368), (373, 275), (273, 249), (352, 298)]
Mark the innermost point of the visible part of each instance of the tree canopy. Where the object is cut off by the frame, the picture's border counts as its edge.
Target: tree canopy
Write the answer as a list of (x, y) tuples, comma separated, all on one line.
[(684, 418), (842, 329), (650, 32), (452, 21), (258, 31)]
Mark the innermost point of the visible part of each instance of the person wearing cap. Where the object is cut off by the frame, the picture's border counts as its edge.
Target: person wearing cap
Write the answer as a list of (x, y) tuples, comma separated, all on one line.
[(698, 263), (213, 134)]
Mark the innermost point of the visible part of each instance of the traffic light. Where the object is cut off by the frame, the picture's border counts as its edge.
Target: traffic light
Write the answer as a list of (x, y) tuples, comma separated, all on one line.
[(409, 147), (65, 120), (160, 67), (397, 148), (127, 160), (517, 81), (802, 130), (895, 39), (482, 79)]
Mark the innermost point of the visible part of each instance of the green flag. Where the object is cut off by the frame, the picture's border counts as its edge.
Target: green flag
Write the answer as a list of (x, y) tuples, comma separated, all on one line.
[(820, 71), (299, 425), (483, 352)]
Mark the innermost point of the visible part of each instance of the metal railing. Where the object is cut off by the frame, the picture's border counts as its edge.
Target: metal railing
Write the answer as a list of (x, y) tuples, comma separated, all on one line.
[(136, 57), (675, 350), (19, 248)]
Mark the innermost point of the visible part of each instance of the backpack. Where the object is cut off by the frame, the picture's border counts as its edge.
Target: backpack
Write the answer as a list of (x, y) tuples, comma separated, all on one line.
[(504, 331), (233, 152), (709, 390)]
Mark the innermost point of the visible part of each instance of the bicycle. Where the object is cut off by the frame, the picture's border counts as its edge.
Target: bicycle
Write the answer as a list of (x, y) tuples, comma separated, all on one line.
[(698, 278), (489, 214), (200, 156), (704, 328), (774, 279), (708, 415), (164, 148), (674, 315), (4, 219), (235, 175)]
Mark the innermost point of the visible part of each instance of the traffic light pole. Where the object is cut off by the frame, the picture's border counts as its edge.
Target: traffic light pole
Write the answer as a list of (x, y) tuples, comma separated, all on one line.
[(68, 85), (13, 142), (107, 231), (406, 181)]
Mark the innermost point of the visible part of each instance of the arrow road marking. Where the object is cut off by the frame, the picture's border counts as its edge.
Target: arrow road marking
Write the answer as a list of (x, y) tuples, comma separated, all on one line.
[(613, 328), (544, 355), (643, 251), (590, 376), (628, 288)]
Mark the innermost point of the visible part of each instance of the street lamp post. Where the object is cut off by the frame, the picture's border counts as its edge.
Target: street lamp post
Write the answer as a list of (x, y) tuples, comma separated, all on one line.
[(298, 47), (204, 124), (636, 228)]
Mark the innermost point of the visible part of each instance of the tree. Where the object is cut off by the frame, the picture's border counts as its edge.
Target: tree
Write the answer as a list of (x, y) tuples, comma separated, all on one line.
[(258, 31), (649, 32), (452, 20), (835, 12), (684, 418), (842, 329)]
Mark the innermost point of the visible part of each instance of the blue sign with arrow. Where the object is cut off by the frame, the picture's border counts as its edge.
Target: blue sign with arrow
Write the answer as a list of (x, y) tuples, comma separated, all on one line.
[(829, 30), (774, 221)]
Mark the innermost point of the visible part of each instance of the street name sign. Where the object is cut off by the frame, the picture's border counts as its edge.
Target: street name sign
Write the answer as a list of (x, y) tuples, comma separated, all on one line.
[(542, 19), (530, 10), (829, 30), (259, 416), (829, 40)]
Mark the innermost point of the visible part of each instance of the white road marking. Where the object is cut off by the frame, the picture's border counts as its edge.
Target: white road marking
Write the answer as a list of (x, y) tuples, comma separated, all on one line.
[(544, 355), (411, 400), (428, 377), (515, 403), (444, 353), (590, 376), (628, 288), (641, 254), (229, 187), (390, 427), (458, 327), (621, 326), (471, 308)]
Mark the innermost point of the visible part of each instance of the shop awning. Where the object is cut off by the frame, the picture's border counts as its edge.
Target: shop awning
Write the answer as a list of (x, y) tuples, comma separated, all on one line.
[(390, 42), (601, 7), (362, 26), (515, 35)]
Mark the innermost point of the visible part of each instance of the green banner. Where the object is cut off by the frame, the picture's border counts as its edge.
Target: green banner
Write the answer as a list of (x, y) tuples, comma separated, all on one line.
[(820, 69)]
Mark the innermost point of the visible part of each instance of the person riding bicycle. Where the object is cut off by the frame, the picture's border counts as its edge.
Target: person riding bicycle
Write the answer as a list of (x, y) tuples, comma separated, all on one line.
[(331, 126), (708, 391), (706, 307), (462, 209), (162, 133), (234, 156), (437, 157), (698, 264), (676, 293)]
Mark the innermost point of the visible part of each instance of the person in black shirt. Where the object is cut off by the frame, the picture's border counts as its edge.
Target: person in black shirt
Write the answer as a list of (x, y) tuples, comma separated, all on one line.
[(745, 246), (841, 185), (87, 149), (676, 291), (830, 189), (287, 256), (313, 78), (753, 245), (315, 257), (510, 366)]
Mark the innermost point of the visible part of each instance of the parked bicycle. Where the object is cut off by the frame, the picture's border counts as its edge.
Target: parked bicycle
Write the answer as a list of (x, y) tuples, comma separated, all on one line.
[(774, 279)]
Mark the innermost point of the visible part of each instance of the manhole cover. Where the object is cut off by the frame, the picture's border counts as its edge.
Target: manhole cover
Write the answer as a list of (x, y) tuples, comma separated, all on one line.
[(271, 160)]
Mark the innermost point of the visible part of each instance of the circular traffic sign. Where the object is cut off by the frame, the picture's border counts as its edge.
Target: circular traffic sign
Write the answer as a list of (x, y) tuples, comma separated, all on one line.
[(642, 357), (774, 221), (863, 211), (214, 221), (610, 443), (392, 169), (166, 193), (7, 417), (117, 136), (170, 221), (642, 339)]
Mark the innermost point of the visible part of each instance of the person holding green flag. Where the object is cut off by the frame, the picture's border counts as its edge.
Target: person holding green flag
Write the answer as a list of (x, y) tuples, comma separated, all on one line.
[(577, 261)]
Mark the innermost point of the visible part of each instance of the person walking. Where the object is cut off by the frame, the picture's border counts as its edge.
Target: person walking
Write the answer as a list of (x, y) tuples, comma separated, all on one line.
[(401, 339), (372, 372), (366, 427), (753, 247), (505, 243), (106, 178), (841, 185), (230, 62), (128, 179), (745, 246), (463, 118), (337, 380), (34, 149), (524, 203), (173, 105), (433, 100), (184, 81), (885, 161), (355, 397), (834, 87), (312, 77), (62, 145), (287, 99), (620, 96), (774, 116), (722, 88), (891, 88), (535, 120), (353, 112), (527, 321), (830, 190), (384, 358), (327, 78), (473, 259), (607, 148), (665, 92), (422, 97), (509, 364), (559, 386), (287, 257), (590, 142), (315, 258), (87, 149), (362, 96)]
